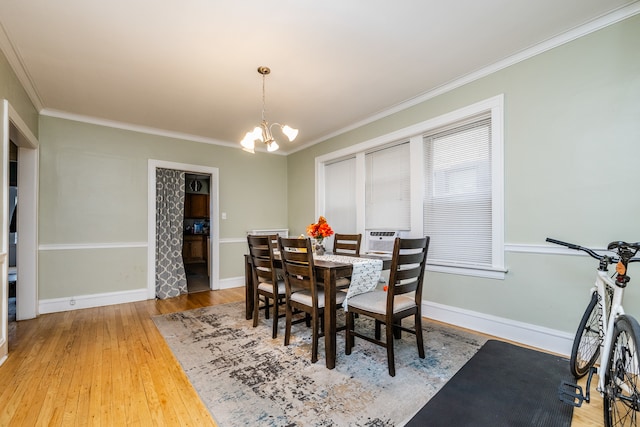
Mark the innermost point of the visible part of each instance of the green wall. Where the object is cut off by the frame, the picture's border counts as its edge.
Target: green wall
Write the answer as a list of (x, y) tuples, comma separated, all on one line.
[(93, 191), (572, 144)]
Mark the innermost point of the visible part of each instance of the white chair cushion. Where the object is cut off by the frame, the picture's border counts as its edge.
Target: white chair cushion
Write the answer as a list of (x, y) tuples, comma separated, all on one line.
[(304, 297), (376, 302), (268, 287), (342, 282)]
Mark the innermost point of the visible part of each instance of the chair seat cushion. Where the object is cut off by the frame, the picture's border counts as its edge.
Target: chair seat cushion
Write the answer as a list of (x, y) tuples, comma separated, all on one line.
[(376, 302), (304, 297), (268, 287), (343, 282)]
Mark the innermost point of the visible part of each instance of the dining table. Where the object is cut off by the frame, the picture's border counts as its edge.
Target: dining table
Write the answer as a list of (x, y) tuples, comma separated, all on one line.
[(327, 274)]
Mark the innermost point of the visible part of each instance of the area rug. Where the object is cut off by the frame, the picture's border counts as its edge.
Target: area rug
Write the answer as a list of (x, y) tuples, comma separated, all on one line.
[(246, 378), (502, 385)]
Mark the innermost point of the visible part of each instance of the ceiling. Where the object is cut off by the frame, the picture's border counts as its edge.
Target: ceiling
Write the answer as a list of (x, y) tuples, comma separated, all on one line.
[(189, 68)]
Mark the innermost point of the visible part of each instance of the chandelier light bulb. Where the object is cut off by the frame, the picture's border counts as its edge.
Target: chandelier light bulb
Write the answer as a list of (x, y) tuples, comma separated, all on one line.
[(290, 132), (272, 146)]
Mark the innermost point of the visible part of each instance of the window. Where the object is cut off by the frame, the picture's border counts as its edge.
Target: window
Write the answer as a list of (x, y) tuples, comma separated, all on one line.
[(387, 188), (457, 201), (340, 195), (445, 182)]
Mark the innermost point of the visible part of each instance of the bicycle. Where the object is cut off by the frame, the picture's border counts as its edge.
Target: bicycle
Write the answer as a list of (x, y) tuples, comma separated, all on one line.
[(605, 329)]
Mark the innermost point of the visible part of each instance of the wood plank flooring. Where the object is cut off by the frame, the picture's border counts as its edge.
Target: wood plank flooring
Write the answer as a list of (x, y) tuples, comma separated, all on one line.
[(109, 366)]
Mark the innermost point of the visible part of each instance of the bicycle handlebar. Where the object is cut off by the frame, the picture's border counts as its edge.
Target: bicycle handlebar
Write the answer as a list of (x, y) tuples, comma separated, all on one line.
[(593, 254)]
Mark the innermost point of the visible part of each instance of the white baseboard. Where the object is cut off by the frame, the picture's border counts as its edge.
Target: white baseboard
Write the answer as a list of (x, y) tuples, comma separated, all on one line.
[(524, 333), (55, 305), (79, 302), (233, 282)]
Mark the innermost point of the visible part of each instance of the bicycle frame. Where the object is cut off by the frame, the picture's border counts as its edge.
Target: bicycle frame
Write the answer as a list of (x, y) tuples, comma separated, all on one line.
[(610, 311)]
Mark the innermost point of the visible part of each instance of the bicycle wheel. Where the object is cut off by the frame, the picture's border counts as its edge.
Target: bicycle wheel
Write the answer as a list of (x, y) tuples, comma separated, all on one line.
[(622, 380), (586, 344)]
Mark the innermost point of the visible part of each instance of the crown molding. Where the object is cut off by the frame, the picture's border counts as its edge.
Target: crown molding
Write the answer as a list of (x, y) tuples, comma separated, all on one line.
[(16, 63), (136, 128), (611, 18), (566, 37)]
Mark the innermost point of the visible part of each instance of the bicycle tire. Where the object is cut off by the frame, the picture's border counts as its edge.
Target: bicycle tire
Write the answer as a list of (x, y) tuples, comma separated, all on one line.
[(622, 379), (586, 344)]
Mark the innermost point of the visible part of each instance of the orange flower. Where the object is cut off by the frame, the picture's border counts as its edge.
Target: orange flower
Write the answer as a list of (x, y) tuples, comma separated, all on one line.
[(319, 230)]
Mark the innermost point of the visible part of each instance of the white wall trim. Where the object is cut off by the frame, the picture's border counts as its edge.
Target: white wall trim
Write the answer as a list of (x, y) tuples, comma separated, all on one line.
[(234, 240), (548, 249), (79, 302), (17, 65), (84, 246), (612, 18), (524, 333), (232, 282), (568, 36), (135, 128)]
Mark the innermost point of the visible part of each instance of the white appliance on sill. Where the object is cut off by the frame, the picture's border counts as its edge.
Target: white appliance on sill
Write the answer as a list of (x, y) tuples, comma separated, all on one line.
[(380, 241), (282, 232)]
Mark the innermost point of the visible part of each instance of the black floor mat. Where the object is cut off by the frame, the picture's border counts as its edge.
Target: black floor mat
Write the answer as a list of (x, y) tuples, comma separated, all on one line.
[(502, 385)]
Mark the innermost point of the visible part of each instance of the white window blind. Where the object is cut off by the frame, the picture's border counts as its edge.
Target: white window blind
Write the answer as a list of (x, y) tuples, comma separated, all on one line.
[(458, 194), (387, 193), (340, 195)]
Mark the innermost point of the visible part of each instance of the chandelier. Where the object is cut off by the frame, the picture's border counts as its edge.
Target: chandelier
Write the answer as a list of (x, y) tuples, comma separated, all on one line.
[(263, 133)]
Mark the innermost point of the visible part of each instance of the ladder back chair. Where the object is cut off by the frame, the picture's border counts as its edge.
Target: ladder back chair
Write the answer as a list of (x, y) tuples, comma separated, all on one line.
[(347, 244), (265, 279), (301, 288), (391, 306)]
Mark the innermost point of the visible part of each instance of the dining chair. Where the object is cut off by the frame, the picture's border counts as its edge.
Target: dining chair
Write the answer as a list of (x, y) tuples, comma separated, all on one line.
[(265, 279), (300, 276), (391, 306), (346, 244)]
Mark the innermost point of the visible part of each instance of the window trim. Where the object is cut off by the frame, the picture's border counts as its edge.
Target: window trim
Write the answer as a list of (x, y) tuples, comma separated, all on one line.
[(414, 133)]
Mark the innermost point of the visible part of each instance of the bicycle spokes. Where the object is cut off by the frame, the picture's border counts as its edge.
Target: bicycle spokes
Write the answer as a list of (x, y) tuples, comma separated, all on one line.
[(622, 388)]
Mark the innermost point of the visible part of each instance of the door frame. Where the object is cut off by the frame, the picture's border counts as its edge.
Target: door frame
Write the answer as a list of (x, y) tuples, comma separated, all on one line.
[(13, 128), (214, 207)]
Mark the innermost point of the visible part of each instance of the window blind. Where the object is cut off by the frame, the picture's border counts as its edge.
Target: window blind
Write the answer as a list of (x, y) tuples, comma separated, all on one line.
[(387, 193), (458, 195), (340, 195)]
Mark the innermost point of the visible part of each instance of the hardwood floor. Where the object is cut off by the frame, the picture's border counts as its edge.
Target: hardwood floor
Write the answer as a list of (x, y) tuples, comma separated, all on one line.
[(103, 366), (110, 366)]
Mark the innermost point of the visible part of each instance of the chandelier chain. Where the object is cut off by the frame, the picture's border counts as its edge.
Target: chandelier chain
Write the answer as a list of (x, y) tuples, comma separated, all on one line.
[(264, 103)]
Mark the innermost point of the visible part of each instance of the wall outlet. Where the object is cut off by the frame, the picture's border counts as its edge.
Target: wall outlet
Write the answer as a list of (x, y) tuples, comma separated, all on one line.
[(224, 215)]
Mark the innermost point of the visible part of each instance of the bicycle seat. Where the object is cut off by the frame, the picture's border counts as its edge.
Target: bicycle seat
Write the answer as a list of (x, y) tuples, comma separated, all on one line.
[(623, 245)]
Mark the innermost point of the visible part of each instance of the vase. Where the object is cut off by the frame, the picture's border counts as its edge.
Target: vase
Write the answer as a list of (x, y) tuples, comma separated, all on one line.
[(319, 248)]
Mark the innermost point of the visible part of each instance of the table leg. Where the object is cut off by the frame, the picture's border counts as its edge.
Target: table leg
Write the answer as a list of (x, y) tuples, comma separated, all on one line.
[(248, 289), (330, 317)]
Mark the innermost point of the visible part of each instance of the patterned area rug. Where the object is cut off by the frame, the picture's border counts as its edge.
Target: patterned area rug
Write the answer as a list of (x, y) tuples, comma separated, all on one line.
[(246, 378)]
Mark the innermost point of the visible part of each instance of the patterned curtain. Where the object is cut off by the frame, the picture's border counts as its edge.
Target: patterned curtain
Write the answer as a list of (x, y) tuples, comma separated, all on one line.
[(171, 279)]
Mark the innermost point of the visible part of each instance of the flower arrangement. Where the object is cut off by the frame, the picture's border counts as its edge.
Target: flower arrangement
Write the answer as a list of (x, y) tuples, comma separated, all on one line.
[(320, 229)]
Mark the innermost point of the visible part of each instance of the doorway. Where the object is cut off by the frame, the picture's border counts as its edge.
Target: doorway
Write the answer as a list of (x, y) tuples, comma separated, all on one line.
[(212, 246), (12, 269), (197, 226), (15, 131)]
